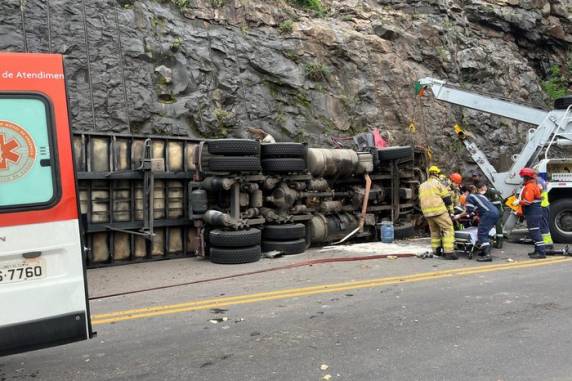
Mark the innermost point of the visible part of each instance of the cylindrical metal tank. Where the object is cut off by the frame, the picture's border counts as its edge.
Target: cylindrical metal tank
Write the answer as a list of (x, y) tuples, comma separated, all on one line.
[(199, 201), (331, 228), (323, 162), (365, 162)]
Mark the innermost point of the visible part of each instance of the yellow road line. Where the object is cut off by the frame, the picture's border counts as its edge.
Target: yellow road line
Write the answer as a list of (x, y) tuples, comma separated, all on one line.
[(206, 304)]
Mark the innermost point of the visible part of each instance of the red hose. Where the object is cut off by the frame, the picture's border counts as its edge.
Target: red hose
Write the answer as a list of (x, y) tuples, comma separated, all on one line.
[(285, 267)]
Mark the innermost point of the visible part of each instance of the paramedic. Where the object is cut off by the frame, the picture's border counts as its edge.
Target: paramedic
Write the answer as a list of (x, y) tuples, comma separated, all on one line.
[(478, 203), (497, 200)]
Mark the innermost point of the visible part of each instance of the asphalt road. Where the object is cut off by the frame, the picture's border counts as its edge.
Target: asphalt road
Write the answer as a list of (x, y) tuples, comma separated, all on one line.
[(501, 324)]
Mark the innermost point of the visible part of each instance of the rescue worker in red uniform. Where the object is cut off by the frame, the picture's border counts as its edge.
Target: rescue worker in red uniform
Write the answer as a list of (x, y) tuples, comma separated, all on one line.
[(530, 199)]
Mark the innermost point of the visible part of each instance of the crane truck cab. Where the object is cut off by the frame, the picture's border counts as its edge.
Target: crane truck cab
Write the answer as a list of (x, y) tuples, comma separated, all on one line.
[(43, 290)]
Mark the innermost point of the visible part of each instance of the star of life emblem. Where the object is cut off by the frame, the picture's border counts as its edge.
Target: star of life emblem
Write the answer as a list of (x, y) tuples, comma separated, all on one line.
[(17, 152)]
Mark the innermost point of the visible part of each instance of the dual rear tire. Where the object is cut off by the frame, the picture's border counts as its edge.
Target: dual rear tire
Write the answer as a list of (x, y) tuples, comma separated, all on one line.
[(288, 239), (233, 247)]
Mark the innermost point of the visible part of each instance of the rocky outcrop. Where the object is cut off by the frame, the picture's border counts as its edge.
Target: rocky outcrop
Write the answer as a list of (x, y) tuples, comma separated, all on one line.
[(208, 68)]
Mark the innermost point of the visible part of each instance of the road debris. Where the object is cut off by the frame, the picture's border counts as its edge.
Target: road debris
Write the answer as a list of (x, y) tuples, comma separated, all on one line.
[(219, 320), (327, 377), (392, 257), (324, 367)]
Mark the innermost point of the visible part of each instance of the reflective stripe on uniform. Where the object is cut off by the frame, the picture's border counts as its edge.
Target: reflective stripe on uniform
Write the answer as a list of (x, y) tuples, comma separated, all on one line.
[(481, 203), (436, 210), (544, 203)]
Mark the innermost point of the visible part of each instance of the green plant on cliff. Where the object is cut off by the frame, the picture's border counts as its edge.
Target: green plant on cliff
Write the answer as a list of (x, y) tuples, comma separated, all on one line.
[(317, 71), (218, 3), (286, 26), (223, 120), (181, 3), (557, 84), (313, 5)]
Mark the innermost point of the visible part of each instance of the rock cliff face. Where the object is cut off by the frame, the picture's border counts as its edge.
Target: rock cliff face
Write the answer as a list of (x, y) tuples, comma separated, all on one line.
[(212, 68)]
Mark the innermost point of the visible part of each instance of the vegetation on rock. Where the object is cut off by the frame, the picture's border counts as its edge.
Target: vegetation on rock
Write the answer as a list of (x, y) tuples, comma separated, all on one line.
[(557, 84), (286, 26), (317, 71), (313, 5)]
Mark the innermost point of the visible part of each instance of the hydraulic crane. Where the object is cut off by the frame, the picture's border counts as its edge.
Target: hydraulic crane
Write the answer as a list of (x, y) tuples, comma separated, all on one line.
[(551, 128)]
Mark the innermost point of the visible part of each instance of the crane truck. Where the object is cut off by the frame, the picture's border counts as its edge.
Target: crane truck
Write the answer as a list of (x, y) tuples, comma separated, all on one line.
[(551, 128)]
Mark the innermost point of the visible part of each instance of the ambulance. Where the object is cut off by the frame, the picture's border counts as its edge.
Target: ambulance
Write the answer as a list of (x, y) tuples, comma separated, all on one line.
[(43, 292)]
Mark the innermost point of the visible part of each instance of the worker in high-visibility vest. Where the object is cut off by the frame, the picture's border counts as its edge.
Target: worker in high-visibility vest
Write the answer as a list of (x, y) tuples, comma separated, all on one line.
[(436, 205), (530, 200), (545, 205)]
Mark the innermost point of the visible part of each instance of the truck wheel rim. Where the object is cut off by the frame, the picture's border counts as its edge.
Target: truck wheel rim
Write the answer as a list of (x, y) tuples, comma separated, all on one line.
[(564, 221)]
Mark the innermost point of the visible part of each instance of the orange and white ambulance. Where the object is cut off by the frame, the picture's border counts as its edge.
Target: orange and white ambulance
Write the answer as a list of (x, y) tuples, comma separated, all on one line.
[(43, 293)]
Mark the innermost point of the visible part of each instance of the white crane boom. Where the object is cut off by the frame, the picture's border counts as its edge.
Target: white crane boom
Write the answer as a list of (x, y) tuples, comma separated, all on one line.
[(449, 94)]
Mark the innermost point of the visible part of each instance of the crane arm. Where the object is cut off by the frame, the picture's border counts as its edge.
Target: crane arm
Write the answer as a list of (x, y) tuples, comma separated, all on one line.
[(547, 126), (449, 94)]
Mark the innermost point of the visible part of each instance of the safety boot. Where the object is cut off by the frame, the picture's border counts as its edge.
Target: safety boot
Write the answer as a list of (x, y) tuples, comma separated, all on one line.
[(485, 254), (450, 256), (537, 255)]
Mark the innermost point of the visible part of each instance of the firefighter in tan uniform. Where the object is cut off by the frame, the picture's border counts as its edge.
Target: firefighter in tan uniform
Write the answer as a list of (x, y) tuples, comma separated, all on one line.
[(437, 208)]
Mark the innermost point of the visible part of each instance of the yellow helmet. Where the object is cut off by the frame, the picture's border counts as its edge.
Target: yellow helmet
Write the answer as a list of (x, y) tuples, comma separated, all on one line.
[(434, 170)]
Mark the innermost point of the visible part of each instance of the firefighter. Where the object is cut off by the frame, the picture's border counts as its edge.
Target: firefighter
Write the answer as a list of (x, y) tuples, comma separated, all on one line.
[(437, 208), (497, 200), (530, 200), (545, 224), (478, 204), (455, 183)]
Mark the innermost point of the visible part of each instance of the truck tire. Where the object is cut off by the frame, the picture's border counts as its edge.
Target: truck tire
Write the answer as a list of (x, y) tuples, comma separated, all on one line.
[(284, 165), (284, 232), (286, 247), (282, 150), (394, 153), (563, 103), (561, 220), (235, 256), (234, 164), (236, 147), (235, 238)]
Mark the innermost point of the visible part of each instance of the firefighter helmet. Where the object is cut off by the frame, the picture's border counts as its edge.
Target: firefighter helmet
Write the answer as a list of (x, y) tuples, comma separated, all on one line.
[(456, 178), (527, 172), (434, 170)]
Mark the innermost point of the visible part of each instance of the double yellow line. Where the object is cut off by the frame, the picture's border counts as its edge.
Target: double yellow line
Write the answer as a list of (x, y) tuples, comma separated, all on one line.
[(207, 304)]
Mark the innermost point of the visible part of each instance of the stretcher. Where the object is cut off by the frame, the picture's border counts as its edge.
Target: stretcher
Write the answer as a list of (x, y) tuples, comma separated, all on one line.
[(466, 240)]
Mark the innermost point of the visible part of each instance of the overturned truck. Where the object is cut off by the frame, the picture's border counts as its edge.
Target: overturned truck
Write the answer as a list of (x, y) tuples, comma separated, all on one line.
[(155, 197)]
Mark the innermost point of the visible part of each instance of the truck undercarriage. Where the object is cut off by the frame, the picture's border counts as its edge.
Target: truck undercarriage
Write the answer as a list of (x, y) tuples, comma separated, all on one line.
[(155, 197)]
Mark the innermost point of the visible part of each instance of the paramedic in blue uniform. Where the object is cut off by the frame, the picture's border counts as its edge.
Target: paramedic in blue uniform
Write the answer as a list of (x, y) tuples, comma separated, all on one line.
[(477, 203)]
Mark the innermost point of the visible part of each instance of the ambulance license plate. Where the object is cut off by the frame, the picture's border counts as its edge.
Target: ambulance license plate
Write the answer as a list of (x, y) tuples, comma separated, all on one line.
[(22, 270)]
